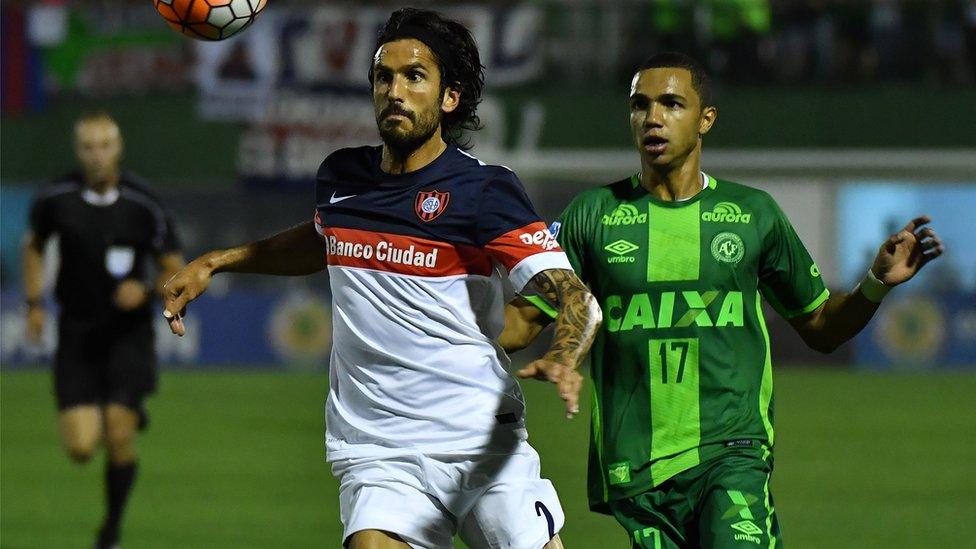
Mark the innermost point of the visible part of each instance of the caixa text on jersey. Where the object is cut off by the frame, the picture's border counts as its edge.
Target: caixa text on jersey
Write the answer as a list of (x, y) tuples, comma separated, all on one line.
[(713, 308)]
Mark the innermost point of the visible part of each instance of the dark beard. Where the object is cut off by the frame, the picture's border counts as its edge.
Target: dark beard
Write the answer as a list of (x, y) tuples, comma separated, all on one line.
[(402, 144)]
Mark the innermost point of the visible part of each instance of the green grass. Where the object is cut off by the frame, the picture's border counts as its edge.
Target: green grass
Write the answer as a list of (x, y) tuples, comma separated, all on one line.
[(236, 460)]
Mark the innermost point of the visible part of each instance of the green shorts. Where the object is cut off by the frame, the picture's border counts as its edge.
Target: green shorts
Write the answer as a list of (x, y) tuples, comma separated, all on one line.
[(724, 502)]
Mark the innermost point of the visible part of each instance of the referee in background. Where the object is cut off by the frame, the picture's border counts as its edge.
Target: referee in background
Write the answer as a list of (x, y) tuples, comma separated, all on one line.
[(108, 228)]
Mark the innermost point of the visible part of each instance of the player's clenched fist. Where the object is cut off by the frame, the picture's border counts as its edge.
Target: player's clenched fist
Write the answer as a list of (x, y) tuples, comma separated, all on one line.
[(35, 323), (130, 294), (182, 288), (568, 381)]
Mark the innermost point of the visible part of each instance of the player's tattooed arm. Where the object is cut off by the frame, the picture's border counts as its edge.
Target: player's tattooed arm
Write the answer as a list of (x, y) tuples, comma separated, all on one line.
[(578, 319), (579, 315)]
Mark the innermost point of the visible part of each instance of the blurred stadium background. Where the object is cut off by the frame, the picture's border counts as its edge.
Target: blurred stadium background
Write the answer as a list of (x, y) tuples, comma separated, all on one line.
[(855, 115)]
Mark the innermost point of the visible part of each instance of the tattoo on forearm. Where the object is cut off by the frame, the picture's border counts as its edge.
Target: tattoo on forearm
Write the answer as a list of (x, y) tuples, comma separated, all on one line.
[(579, 314)]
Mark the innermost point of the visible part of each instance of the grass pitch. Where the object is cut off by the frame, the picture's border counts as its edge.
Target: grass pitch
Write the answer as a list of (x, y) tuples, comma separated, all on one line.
[(236, 460)]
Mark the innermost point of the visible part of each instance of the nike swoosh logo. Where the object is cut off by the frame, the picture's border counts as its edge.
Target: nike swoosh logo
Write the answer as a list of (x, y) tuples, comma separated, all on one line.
[(335, 198)]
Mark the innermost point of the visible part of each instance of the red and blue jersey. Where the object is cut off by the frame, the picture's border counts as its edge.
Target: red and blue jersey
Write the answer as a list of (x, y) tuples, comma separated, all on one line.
[(416, 263)]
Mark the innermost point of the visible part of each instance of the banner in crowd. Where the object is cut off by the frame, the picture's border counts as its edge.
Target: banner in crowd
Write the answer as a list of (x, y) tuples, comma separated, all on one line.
[(930, 323), (299, 78), (250, 329), (920, 331), (870, 212)]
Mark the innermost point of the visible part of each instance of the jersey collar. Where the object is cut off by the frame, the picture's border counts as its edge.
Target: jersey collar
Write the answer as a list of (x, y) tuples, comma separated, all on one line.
[(99, 199), (405, 179), (708, 183)]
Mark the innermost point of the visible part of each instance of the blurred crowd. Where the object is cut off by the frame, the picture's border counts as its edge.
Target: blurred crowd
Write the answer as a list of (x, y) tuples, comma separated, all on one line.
[(742, 41), (778, 41)]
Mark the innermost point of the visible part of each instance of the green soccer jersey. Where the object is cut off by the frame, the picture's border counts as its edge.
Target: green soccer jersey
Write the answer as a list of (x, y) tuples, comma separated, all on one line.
[(681, 367)]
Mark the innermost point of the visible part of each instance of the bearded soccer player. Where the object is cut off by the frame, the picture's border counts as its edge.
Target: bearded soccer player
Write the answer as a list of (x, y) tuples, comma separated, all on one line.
[(109, 227), (425, 427), (682, 431)]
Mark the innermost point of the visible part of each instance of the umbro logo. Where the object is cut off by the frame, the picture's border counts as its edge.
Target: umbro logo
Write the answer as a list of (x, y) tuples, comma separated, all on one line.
[(747, 531), (336, 199), (621, 250), (748, 527)]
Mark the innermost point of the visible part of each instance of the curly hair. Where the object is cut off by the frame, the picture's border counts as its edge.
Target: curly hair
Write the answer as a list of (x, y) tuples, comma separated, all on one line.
[(458, 61)]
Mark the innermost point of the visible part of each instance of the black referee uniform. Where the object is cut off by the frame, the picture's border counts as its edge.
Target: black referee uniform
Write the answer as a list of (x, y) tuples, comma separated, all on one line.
[(104, 354)]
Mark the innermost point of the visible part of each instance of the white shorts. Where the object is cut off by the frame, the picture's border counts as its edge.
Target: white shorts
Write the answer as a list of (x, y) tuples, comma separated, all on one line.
[(490, 500)]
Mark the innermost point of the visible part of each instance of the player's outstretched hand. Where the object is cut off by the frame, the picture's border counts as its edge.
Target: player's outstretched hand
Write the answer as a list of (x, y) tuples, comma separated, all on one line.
[(906, 252), (568, 381), (185, 286)]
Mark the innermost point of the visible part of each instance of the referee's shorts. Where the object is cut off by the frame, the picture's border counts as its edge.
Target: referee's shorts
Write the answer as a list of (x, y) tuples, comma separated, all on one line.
[(104, 361)]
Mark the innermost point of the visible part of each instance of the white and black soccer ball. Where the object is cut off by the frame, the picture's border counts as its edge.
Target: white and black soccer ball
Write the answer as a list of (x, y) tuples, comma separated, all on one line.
[(209, 19)]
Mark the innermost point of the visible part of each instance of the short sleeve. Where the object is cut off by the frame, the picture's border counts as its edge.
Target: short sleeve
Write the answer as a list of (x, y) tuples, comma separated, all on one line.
[(318, 223), (323, 181), (41, 218), (168, 242), (339, 173), (788, 277), (512, 233), (164, 239), (570, 230)]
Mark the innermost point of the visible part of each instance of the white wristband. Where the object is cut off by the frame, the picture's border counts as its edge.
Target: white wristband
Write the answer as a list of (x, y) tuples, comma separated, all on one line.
[(872, 288)]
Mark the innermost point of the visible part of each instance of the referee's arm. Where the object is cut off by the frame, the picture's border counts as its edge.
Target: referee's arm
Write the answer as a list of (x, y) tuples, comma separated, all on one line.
[(33, 256)]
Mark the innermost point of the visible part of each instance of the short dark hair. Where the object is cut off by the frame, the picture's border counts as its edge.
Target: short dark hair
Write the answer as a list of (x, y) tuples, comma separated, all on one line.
[(462, 71), (95, 116), (673, 59)]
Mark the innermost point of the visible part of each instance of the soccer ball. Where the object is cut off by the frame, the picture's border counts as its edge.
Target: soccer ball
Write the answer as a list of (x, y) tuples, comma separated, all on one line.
[(209, 19)]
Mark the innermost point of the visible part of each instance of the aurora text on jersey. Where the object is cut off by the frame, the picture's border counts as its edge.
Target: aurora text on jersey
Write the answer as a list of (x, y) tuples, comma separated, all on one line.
[(681, 368)]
